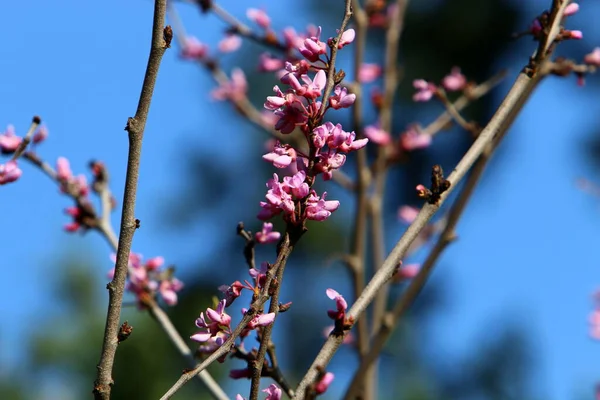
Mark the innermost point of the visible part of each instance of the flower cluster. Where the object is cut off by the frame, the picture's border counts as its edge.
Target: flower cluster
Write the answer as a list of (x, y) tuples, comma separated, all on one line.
[(453, 82), (233, 291), (145, 279), (9, 143), (411, 139), (273, 393), (215, 327), (299, 107), (9, 172), (536, 29), (82, 213)]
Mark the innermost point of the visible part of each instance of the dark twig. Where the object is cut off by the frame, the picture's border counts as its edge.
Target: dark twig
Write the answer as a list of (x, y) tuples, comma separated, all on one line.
[(27, 139)]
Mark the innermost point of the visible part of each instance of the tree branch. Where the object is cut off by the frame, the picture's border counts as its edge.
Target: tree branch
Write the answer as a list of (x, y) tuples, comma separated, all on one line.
[(500, 122), (161, 39)]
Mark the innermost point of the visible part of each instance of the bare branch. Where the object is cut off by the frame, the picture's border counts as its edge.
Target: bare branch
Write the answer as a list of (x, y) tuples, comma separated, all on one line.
[(161, 39), (500, 122)]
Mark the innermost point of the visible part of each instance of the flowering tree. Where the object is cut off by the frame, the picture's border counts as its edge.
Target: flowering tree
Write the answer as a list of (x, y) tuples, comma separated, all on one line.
[(307, 147)]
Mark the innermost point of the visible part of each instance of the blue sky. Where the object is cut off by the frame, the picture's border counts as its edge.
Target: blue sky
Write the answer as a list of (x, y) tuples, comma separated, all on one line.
[(80, 65)]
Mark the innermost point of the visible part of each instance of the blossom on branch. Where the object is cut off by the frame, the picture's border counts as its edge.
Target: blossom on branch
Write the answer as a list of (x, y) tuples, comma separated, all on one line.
[(593, 58), (9, 141), (229, 43), (259, 17), (234, 89), (323, 384), (193, 49), (425, 90), (454, 81), (267, 235), (9, 172), (145, 280)]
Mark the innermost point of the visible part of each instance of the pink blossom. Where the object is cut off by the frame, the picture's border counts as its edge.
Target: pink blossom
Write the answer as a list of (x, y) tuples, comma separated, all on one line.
[(369, 72), (278, 200), (281, 100), (234, 89), (259, 17), (341, 98), (273, 392), (229, 43), (425, 90), (336, 138), (408, 214), (268, 63), (347, 38), (292, 39), (322, 386), (40, 135), (571, 9), (232, 292), (377, 135), (155, 263), (193, 49), (260, 320), (454, 81), (312, 88), (328, 162), (297, 69), (593, 58), (281, 156), (145, 278), (214, 322), (63, 169), (291, 116), (267, 235), (412, 139), (168, 289), (575, 34), (312, 48), (75, 225), (9, 141), (340, 303), (9, 172), (318, 209), (296, 185), (408, 271)]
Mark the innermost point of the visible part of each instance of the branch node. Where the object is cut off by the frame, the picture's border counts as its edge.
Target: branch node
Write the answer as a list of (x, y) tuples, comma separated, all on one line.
[(168, 35), (439, 185), (124, 332)]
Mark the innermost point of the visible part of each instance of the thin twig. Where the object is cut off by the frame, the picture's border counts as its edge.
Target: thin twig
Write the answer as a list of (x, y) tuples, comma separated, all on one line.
[(292, 236), (393, 34), (27, 139), (463, 101), (499, 123), (161, 38), (355, 261), (332, 58)]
